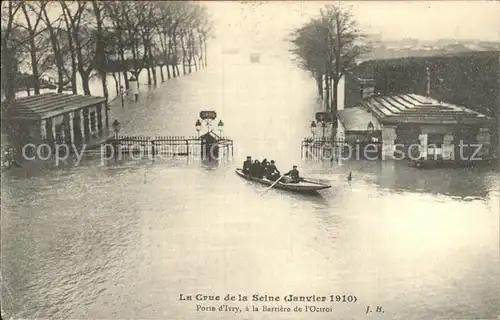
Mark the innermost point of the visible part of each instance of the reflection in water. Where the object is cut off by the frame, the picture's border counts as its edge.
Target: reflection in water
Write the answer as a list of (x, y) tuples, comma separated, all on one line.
[(123, 240)]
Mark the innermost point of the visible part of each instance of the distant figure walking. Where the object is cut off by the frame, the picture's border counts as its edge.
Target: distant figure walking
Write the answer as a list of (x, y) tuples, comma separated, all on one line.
[(349, 177)]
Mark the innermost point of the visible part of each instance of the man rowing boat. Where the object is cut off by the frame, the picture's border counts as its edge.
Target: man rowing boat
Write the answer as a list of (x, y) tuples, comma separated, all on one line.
[(294, 175)]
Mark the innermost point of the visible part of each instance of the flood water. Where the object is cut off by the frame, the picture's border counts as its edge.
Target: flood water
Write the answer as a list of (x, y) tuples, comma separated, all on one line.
[(123, 241)]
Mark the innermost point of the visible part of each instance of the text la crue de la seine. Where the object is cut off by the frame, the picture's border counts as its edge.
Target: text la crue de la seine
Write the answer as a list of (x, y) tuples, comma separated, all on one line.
[(269, 298)]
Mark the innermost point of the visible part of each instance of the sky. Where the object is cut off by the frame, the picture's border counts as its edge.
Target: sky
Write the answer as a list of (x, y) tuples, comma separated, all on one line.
[(268, 21)]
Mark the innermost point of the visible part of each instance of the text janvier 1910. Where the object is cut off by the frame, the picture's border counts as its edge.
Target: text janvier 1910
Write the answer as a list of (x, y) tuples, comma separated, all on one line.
[(269, 298)]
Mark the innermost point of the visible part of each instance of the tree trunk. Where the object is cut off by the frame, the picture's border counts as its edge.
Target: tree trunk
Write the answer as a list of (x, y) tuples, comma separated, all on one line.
[(183, 56), (161, 74), (73, 63), (117, 88), (124, 65), (335, 88), (104, 83), (153, 66), (195, 64), (167, 66), (327, 91), (153, 71), (124, 70), (57, 54), (171, 55), (149, 76), (100, 54), (34, 65), (85, 82), (200, 59), (205, 59), (9, 73), (333, 108), (167, 63), (319, 83)]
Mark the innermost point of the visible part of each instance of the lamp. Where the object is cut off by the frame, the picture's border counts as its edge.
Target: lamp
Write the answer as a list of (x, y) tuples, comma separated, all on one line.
[(116, 127), (371, 128), (313, 128), (197, 125), (221, 126)]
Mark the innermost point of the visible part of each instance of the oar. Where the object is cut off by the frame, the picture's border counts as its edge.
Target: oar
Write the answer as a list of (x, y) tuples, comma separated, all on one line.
[(274, 183)]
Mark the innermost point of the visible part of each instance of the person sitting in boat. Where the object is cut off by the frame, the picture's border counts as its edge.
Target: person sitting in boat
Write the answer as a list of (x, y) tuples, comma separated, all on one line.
[(265, 163), (257, 170), (247, 165), (273, 173), (294, 175)]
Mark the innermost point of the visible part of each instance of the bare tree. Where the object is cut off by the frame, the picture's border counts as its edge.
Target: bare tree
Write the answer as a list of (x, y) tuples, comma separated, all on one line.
[(54, 27), (9, 63), (33, 17), (100, 61), (326, 47), (72, 21)]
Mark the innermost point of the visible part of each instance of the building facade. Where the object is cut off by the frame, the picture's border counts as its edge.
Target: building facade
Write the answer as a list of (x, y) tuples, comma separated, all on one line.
[(470, 79), (56, 118), (414, 126)]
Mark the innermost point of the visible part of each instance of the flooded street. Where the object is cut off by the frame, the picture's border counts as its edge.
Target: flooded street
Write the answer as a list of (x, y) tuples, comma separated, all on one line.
[(125, 241)]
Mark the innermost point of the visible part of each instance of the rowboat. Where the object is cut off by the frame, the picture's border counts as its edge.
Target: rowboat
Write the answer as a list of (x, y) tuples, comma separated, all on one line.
[(303, 186)]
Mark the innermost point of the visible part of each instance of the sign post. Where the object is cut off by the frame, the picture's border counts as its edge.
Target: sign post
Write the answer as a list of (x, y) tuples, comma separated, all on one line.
[(207, 117)]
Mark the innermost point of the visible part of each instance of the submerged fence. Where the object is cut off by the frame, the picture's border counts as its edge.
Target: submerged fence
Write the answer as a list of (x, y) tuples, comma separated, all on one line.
[(331, 149), (170, 146)]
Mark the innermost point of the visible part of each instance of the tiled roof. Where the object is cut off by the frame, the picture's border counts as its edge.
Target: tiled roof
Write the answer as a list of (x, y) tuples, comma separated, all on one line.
[(356, 119), (419, 109), (47, 105)]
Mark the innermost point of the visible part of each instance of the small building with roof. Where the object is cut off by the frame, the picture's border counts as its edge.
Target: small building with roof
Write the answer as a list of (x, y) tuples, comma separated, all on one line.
[(408, 120), (210, 145), (57, 118)]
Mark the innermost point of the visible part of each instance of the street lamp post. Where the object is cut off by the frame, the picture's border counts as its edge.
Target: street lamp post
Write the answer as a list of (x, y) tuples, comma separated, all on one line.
[(313, 128), (323, 118), (221, 126), (197, 125)]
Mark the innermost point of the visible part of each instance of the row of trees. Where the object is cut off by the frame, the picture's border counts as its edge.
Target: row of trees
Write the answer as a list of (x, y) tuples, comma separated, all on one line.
[(71, 38), (326, 46)]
